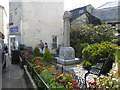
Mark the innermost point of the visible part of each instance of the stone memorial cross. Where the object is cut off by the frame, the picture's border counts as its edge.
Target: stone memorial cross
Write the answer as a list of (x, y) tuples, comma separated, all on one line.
[(66, 18)]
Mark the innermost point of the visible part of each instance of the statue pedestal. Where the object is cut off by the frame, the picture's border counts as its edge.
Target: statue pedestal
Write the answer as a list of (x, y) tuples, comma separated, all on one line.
[(67, 56)]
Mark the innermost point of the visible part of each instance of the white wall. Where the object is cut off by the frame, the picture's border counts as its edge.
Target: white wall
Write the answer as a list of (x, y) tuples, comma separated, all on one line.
[(1, 20), (3, 23), (41, 21)]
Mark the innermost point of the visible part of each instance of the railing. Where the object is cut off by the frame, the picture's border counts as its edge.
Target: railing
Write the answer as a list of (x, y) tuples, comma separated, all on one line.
[(41, 83), (36, 77)]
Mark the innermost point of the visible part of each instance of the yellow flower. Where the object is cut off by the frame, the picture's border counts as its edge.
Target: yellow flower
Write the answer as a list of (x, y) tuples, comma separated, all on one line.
[(70, 83), (64, 78), (52, 65), (73, 79), (46, 70), (61, 75), (70, 75)]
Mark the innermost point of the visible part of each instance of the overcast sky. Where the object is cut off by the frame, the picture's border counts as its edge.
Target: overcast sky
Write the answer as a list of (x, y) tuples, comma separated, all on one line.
[(70, 4)]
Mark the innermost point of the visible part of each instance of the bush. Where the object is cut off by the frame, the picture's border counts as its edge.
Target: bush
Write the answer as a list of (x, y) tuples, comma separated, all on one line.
[(91, 34), (95, 52), (78, 49), (36, 52), (47, 56)]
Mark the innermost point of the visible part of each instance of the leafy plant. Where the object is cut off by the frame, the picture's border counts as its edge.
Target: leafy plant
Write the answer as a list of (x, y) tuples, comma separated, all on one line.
[(47, 56), (91, 34), (94, 52), (36, 52), (117, 59), (78, 49)]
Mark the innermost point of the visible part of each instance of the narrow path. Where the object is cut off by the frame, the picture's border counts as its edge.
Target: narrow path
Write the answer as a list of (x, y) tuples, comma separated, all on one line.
[(12, 76)]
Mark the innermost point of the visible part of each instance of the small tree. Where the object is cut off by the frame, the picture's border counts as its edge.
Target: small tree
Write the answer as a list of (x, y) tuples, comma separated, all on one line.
[(47, 56), (91, 34), (36, 52)]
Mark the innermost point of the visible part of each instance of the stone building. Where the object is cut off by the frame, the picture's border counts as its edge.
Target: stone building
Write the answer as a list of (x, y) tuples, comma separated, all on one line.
[(33, 21), (109, 12), (3, 22), (83, 15)]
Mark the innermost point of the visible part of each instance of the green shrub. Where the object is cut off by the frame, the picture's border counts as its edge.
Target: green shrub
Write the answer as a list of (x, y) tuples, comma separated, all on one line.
[(94, 52), (91, 34), (86, 64), (47, 56), (78, 49), (36, 52)]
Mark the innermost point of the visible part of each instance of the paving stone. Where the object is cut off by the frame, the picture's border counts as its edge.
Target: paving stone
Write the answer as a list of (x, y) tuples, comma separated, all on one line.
[(13, 76)]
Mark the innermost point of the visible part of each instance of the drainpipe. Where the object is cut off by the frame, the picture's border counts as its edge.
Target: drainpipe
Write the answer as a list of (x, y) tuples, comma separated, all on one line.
[(21, 25)]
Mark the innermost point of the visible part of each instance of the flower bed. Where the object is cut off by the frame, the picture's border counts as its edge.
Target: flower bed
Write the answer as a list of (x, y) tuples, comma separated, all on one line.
[(105, 82), (52, 76)]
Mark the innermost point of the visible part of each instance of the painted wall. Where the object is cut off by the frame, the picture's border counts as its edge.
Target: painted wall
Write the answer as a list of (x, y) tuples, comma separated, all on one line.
[(1, 19), (38, 21), (41, 21), (3, 23)]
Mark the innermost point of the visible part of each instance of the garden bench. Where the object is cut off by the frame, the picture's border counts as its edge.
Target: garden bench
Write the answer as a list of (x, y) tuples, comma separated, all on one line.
[(100, 68)]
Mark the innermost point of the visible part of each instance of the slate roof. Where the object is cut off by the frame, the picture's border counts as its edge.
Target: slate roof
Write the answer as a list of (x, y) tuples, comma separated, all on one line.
[(110, 4)]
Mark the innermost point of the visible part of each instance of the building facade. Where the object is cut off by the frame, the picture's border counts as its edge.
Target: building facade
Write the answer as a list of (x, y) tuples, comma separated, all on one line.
[(31, 22), (3, 23), (107, 13)]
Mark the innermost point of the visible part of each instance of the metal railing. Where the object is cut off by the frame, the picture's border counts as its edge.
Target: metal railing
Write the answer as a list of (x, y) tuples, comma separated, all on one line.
[(41, 83)]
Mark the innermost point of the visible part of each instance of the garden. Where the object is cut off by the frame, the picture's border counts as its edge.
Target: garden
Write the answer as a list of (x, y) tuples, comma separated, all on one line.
[(91, 43)]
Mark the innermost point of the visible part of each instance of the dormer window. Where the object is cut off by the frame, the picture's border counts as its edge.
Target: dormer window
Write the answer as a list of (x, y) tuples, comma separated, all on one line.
[(81, 11)]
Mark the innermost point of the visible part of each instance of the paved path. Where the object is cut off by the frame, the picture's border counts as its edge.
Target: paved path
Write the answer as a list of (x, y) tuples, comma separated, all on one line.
[(12, 76), (78, 70)]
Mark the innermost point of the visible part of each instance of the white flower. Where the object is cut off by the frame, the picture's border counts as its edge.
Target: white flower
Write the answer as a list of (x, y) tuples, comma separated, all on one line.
[(107, 87), (114, 79)]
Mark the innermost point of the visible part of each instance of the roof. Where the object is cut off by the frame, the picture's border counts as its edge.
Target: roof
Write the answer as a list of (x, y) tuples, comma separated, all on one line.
[(110, 4), (78, 12), (80, 7)]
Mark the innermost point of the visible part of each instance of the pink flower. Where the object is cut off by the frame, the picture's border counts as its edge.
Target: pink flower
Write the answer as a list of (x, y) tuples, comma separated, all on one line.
[(74, 82), (41, 71), (77, 86), (41, 63), (37, 61), (44, 67)]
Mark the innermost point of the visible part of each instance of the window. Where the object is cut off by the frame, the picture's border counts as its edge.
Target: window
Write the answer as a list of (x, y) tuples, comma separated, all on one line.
[(10, 17), (54, 42), (81, 11), (15, 11)]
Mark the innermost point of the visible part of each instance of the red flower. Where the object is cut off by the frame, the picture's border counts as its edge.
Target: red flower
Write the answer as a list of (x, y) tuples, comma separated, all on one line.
[(41, 71), (89, 82), (57, 80), (92, 83), (37, 61), (61, 81), (77, 86), (74, 82)]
